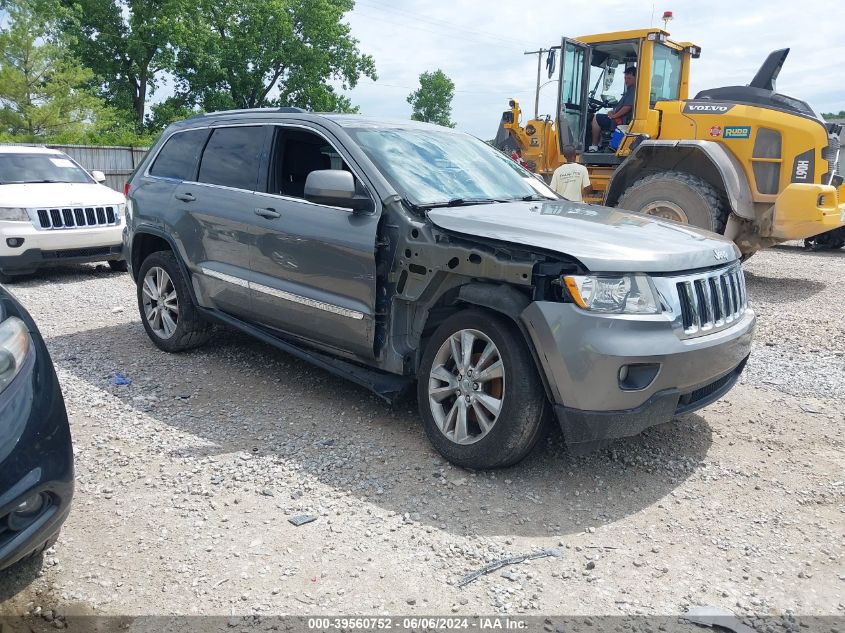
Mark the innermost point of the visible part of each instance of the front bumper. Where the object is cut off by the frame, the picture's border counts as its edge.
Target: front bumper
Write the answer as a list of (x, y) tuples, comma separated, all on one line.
[(804, 210), (57, 246), (581, 355), (36, 456)]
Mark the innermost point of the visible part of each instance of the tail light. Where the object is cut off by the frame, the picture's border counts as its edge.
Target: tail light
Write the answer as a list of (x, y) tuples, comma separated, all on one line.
[(126, 189)]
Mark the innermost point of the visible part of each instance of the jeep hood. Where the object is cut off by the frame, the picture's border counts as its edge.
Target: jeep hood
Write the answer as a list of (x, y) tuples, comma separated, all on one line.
[(601, 238), (58, 194)]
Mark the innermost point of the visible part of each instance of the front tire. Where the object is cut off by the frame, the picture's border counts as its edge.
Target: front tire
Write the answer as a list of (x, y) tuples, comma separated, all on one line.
[(679, 196), (169, 316), (481, 400)]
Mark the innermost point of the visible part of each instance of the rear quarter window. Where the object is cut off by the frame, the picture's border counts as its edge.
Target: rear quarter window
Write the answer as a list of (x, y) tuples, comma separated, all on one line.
[(178, 158)]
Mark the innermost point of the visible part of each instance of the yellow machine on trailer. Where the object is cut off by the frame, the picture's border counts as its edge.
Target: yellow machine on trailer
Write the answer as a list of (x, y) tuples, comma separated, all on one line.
[(744, 161)]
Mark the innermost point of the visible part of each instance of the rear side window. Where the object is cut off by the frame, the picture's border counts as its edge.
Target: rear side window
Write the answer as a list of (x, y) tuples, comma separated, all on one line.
[(233, 156), (178, 158)]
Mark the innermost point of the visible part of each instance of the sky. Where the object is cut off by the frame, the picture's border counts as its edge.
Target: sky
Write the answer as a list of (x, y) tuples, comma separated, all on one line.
[(480, 45)]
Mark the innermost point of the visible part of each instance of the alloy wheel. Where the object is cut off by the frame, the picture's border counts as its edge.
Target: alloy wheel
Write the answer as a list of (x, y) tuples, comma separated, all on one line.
[(161, 304), (466, 386)]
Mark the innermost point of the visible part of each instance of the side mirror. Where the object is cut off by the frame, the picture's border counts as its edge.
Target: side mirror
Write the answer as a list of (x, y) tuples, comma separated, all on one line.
[(98, 176), (551, 62), (336, 188)]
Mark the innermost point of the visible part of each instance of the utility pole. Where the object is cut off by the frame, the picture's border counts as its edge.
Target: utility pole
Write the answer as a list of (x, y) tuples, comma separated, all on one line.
[(539, 55)]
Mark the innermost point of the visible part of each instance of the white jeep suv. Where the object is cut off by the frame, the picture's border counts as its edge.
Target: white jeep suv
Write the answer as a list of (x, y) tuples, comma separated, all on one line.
[(54, 212)]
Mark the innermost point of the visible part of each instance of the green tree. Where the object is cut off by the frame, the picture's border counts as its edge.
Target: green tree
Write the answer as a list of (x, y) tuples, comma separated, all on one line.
[(432, 102), (833, 115), (128, 42), (256, 53), (168, 111), (42, 88)]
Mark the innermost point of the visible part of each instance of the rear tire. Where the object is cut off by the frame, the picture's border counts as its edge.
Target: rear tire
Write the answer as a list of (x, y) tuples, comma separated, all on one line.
[(118, 265), (169, 316), (459, 409), (678, 196)]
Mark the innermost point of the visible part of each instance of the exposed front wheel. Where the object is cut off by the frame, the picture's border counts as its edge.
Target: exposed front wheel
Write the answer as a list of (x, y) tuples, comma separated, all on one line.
[(479, 394), (678, 196), (167, 312)]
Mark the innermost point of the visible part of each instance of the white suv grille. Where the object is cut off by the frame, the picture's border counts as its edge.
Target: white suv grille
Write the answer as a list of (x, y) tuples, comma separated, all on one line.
[(76, 217)]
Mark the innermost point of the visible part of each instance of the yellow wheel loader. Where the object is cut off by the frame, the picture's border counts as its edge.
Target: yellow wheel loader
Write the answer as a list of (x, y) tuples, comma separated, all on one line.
[(745, 161)]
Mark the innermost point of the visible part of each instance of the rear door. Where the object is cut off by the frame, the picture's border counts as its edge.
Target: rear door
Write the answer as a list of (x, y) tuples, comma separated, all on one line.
[(217, 215), (314, 269), (572, 94)]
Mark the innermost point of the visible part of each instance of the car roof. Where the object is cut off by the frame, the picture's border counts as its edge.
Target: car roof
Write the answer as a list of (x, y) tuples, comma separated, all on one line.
[(26, 149), (294, 114)]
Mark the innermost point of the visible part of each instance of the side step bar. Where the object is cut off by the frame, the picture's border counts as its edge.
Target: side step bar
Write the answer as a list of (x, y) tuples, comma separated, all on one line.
[(390, 387)]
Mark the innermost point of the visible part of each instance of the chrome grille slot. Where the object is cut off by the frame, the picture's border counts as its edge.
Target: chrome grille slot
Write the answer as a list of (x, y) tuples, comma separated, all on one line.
[(711, 301), (67, 218)]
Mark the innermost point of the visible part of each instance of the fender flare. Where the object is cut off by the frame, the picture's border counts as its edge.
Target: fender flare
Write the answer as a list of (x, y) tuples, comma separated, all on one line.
[(707, 159), (151, 230)]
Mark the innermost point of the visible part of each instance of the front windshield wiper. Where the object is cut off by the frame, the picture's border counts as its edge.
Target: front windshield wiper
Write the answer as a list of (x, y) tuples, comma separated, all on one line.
[(460, 202), (34, 182)]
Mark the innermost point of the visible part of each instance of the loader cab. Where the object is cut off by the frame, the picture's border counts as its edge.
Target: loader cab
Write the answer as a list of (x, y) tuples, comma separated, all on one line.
[(592, 81)]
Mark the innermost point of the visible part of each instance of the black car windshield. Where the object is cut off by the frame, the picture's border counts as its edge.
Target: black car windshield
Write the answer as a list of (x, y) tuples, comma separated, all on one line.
[(27, 168), (430, 167)]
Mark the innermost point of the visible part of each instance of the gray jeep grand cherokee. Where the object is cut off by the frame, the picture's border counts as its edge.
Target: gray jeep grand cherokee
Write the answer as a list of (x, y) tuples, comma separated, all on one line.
[(402, 253)]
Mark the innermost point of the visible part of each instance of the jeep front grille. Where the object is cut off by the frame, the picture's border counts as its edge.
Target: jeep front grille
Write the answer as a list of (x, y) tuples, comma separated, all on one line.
[(77, 217), (711, 301)]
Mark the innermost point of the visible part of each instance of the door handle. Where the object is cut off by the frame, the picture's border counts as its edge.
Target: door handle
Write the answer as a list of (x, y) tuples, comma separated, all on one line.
[(185, 197), (268, 213)]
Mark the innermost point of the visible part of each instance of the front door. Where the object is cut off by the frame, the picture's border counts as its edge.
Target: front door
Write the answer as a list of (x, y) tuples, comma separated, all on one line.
[(217, 215), (313, 266), (572, 96)]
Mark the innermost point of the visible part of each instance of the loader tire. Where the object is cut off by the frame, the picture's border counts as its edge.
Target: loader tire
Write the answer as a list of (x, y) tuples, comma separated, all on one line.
[(679, 196)]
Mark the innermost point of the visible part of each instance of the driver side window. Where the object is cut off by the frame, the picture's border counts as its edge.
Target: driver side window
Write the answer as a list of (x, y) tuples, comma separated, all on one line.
[(296, 153)]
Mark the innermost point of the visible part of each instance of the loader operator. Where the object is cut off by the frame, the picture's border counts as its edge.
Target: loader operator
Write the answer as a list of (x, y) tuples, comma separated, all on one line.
[(621, 114)]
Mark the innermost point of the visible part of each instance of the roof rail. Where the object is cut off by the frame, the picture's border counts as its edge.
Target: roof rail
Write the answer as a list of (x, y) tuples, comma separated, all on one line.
[(283, 109)]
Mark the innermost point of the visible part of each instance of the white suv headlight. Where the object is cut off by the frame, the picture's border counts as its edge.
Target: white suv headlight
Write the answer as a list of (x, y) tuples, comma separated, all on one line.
[(615, 294), (15, 214), (14, 345)]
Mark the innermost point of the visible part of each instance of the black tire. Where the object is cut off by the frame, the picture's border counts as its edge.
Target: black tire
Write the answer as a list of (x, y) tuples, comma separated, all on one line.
[(6, 279), (699, 200), (191, 329), (118, 265), (521, 421)]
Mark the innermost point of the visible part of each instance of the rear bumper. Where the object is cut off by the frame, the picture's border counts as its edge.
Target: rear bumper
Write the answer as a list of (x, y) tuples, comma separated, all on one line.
[(804, 210), (43, 248), (581, 356)]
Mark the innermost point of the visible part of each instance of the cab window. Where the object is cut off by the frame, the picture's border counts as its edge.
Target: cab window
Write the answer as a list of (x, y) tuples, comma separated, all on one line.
[(232, 157), (296, 153), (665, 74)]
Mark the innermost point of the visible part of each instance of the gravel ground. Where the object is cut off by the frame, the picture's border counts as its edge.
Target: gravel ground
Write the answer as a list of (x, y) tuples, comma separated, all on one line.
[(186, 479)]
